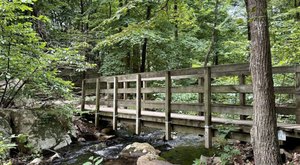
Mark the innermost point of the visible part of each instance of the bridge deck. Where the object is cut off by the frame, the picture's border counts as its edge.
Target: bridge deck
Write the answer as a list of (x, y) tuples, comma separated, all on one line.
[(139, 91), (291, 130)]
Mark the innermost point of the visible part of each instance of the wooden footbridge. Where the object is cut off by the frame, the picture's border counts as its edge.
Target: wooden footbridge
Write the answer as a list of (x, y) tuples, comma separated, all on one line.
[(133, 98)]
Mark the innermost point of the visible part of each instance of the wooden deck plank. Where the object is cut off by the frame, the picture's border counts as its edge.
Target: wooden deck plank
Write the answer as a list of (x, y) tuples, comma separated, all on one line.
[(283, 126)]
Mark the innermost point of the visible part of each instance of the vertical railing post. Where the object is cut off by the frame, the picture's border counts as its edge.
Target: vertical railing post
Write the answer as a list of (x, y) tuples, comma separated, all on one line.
[(138, 105), (207, 107), (144, 94), (200, 95), (115, 103), (97, 102), (83, 94), (242, 96), (108, 95), (168, 86), (297, 94), (125, 86)]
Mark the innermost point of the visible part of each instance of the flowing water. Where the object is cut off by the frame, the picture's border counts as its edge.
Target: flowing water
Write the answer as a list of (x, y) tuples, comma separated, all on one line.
[(183, 149)]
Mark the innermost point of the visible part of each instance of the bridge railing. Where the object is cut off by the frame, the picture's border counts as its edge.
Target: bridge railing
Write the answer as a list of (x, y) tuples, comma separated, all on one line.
[(132, 91)]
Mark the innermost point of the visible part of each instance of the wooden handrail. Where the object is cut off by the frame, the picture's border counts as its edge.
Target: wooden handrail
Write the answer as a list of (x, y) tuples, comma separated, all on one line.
[(132, 96)]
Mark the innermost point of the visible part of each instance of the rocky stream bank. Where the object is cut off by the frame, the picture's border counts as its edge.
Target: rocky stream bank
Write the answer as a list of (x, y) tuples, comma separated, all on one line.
[(57, 137)]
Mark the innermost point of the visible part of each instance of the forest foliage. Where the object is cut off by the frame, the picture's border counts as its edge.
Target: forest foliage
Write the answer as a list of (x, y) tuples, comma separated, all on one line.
[(39, 37)]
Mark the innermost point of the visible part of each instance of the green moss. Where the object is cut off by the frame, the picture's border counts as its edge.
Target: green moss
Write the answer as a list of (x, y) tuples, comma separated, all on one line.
[(161, 158), (185, 155)]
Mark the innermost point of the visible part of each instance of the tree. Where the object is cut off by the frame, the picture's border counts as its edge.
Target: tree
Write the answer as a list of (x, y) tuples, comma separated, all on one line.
[(27, 65), (264, 130)]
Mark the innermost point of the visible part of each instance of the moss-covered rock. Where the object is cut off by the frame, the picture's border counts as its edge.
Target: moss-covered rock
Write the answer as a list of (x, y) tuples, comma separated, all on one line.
[(44, 129)]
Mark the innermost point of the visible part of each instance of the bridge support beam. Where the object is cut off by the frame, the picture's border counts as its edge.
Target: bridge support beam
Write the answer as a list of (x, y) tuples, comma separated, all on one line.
[(115, 104), (138, 105), (168, 85), (97, 102), (207, 107)]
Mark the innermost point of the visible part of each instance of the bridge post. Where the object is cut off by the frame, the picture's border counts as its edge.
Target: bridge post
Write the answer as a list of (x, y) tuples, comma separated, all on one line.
[(207, 107), (242, 96), (144, 94), (297, 94), (125, 85), (97, 102), (83, 94), (168, 85), (115, 103), (200, 95), (108, 95), (138, 105)]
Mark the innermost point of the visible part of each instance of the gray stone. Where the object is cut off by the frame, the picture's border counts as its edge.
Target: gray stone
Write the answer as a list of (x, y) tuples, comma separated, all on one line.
[(36, 161), (5, 132), (151, 159), (210, 160), (45, 130), (5, 129), (138, 149)]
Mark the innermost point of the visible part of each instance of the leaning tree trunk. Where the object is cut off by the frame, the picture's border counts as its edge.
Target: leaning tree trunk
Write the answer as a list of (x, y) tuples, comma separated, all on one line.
[(264, 130)]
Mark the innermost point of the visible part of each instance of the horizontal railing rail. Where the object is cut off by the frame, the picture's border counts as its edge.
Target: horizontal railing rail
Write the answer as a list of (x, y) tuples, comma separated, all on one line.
[(133, 91)]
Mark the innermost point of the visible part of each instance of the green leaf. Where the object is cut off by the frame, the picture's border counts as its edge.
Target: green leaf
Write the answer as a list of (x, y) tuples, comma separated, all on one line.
[(98, 162)]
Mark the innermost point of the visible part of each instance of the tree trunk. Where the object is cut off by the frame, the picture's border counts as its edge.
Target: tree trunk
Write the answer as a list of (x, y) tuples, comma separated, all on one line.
[(128, 55), (264, 130), (212, 47), (248, 27), (297, 4), (176, 21), (135, 60), (144, 49)]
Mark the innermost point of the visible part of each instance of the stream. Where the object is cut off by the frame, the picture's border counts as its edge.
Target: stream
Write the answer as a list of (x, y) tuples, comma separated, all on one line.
[(183, 149)]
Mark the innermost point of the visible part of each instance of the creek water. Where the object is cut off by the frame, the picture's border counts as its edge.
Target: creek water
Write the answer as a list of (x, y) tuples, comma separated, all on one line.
[(183, 149)]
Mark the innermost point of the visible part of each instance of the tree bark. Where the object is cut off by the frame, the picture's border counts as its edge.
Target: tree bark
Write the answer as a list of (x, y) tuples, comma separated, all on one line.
[(264, 130), (144, 49), (248, 27), (297, 4), (176, 21)]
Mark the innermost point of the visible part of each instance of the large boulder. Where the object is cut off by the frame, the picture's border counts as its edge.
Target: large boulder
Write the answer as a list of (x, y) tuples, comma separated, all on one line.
[(5, 129), (138, 149), (45, 129), (152, 159), (145, 154), (5, 134)]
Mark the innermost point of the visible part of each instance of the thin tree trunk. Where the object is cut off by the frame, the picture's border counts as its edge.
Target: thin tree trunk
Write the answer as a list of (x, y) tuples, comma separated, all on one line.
[(176, 21), (248, 27), (214, 35), (297, 4), (264, 130), (135, 58), (109, 10), (14, 95), (144, 49), (128, 55), (82, 31)]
